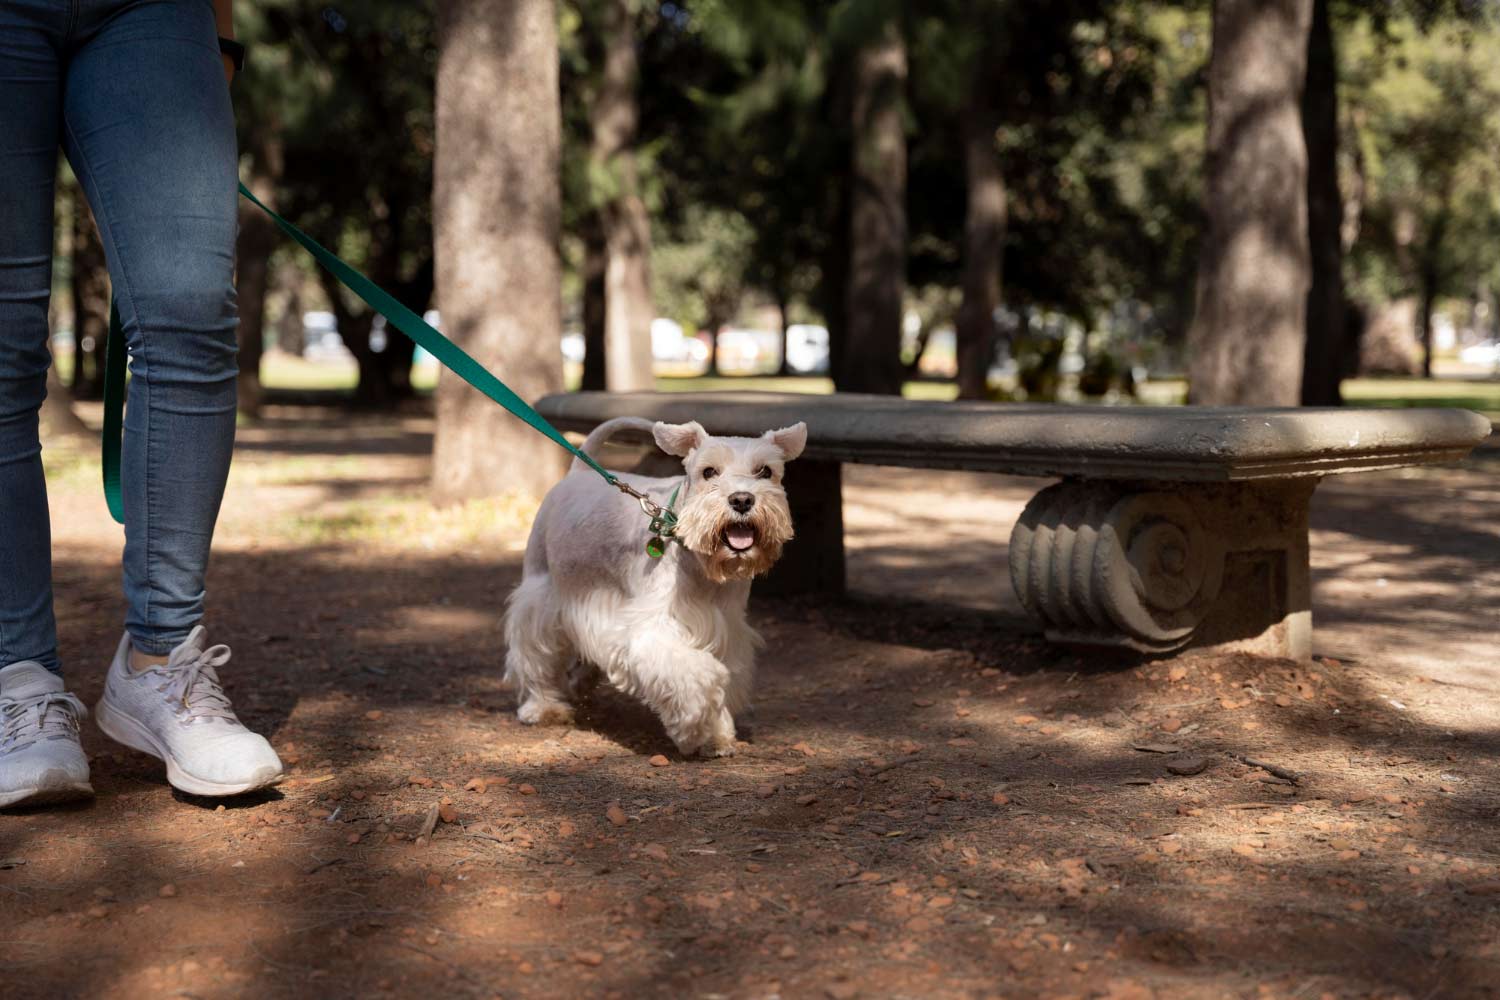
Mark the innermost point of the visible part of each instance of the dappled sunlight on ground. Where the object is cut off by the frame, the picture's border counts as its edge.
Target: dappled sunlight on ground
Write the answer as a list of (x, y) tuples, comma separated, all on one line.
[(931, 802)]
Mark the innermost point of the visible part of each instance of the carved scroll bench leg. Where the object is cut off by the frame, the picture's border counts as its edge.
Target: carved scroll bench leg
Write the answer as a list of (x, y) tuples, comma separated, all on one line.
[(1159, 567)]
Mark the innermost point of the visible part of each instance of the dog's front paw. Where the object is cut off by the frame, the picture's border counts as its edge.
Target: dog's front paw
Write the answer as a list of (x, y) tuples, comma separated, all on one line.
[(545, 712), (721, 739)]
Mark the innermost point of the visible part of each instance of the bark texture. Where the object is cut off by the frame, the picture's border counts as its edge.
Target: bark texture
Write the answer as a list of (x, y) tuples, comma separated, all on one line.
[(870, 360), (628, 306), (496, 215), (1248, 332), (1326, 358), (984, 243)]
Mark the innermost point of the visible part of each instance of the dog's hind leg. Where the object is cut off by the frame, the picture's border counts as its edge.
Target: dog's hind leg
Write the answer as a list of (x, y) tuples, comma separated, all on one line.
[(537, 655)]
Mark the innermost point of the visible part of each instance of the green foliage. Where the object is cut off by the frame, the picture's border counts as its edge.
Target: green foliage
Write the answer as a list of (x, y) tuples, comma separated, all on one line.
[(1422, 113), (700, 276), (339, 100), (1097, 109)]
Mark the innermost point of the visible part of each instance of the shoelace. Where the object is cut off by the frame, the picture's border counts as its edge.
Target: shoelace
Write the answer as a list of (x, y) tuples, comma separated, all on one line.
[(33, 717), (191, 682)]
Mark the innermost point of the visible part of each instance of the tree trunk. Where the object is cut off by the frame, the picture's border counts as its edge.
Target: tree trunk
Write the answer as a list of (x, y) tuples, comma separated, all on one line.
[(1424, 318), (496, 219), (57, 417), (1324, 360), (257, 240), (871, 357), (90, 290), (984, 242), (595, 259), (628, 307), (712, 369), (783, 310), (924, 337), (1430, 281), (384, 376), (1249, 328)]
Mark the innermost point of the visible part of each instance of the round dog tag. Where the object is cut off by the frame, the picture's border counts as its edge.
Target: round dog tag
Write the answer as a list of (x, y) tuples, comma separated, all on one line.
[(655, 547)]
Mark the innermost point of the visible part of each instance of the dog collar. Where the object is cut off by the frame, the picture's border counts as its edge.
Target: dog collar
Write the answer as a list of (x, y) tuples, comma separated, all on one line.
[(663, 526)]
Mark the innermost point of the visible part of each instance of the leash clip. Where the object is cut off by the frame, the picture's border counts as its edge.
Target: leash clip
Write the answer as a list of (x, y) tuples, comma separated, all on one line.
[(663, 519), (649, 507)]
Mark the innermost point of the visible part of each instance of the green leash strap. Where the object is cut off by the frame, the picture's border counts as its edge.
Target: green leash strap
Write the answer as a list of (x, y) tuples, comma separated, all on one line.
[(114, 412), (449, 354)]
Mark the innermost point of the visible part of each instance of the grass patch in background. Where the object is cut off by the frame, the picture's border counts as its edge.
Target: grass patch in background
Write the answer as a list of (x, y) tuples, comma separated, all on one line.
[(282, 371), (410, 521)]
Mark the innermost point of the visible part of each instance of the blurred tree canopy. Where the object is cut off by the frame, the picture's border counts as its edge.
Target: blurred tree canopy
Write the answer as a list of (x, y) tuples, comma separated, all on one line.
[(1052, 176)]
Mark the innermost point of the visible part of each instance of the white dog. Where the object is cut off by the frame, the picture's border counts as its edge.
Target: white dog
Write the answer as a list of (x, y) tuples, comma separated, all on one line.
[(670, 631)]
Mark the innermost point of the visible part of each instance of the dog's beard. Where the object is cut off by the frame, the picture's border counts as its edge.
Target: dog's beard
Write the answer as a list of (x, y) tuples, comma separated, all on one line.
[(735, 546)]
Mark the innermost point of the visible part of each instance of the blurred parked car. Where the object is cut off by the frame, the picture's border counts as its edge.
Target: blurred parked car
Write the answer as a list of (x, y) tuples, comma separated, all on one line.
[(1485, 353), (320, 338), (745, 351), (671, 346), (807, 349), (572, 347)]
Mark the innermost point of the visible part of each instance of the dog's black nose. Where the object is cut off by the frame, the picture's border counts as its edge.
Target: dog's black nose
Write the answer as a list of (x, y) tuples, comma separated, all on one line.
[(742, 502)]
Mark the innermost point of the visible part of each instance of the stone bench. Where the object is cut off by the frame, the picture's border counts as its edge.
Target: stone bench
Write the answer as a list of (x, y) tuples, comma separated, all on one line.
[(1171, 526)]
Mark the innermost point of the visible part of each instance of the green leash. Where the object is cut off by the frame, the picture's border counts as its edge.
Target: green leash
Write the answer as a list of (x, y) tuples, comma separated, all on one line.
[(449, 354)]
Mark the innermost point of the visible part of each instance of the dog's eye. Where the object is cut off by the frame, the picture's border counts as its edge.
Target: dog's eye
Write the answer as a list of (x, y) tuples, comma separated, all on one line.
[(710, 472), (764, 472)]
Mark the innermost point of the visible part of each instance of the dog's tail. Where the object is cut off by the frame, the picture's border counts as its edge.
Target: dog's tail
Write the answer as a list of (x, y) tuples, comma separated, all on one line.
[(599, 435)]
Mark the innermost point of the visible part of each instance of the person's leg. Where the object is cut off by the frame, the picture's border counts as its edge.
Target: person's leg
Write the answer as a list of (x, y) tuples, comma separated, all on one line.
[(149, 130), (30, 108), (148, 127), (40, 759)]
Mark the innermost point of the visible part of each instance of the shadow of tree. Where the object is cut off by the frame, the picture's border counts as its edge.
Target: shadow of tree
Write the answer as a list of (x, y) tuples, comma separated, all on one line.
[(885, 730)]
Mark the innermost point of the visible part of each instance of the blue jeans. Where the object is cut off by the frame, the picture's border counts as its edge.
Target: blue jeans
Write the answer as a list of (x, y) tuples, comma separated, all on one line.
[(134, 93)]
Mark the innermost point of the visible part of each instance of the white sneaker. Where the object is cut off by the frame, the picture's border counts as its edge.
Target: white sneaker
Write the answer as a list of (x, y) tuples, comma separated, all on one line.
[(177, 711), (40, 759)]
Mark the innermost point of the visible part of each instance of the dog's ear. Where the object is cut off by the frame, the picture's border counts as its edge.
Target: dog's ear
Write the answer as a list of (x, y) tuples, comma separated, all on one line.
[(678, 439), (791, 440)]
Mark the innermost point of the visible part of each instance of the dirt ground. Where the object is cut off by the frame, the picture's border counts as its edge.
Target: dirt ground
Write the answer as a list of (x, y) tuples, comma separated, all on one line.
[(932, 802)]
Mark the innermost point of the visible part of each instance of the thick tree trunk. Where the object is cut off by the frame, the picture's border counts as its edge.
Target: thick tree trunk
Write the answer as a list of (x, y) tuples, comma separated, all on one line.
[(595, 259), (496, 219), (90, 288), (1324, 361), (984, 243), (870, 360), (628, 307), (257, 240), (1249, 329)]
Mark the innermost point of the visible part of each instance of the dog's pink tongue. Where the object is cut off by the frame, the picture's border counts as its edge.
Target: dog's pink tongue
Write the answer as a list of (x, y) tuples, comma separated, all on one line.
[(740, 537)]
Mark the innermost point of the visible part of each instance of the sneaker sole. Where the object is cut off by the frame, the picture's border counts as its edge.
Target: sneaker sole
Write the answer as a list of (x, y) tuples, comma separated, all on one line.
[(60, 789), (123, 729)]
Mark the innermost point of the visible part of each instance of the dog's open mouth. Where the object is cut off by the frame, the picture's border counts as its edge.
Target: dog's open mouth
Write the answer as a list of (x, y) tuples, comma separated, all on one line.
[(740, 537)]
